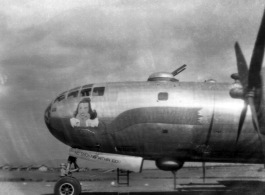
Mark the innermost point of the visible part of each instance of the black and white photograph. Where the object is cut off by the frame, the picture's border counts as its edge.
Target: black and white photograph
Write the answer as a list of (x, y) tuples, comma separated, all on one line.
[(149, 97)]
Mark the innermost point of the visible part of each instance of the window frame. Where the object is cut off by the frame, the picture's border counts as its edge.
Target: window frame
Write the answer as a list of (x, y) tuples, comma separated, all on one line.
[(83, 89), (59, 98), (72, 92), (98, 95)]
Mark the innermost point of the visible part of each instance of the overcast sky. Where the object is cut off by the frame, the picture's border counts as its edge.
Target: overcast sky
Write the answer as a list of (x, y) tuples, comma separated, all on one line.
[(47, 47)]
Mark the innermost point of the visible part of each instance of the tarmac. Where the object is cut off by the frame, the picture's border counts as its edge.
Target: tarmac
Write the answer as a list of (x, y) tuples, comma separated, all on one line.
[(243, 180)]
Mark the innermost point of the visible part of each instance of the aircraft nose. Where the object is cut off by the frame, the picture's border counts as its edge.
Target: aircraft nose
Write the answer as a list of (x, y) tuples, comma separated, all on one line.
[(47, 115), (52, 126)]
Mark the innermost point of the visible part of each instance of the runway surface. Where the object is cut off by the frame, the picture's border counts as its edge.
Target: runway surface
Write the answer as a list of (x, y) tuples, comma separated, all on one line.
[(243, 180)]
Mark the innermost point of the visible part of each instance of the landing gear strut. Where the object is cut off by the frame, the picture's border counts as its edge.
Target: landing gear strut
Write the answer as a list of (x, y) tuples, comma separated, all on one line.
[(68, 185), (175, 180), (170, 164)]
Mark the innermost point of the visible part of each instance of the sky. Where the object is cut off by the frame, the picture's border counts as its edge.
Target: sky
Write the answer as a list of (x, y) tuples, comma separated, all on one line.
[(47, 47)]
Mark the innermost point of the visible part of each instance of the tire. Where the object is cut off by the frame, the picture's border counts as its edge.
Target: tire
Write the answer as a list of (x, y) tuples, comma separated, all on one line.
[(67, 186)]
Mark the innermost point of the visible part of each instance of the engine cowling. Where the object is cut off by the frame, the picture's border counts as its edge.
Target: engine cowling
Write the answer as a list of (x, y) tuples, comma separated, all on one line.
[(236, 89), (169, 164)]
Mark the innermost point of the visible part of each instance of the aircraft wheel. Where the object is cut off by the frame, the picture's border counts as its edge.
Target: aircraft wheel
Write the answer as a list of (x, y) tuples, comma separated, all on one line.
[(67, 186)]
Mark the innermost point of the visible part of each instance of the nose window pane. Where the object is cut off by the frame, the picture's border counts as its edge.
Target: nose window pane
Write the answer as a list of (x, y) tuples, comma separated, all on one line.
[(98, 91), (72, 94), (60, 98), (86, 92)]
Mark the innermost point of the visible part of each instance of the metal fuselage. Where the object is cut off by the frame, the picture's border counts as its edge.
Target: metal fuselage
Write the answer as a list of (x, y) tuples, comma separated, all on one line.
[(184, 120)]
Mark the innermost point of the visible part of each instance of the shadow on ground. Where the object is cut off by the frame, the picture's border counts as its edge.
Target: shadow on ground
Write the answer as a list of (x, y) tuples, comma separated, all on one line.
[(224, 187)]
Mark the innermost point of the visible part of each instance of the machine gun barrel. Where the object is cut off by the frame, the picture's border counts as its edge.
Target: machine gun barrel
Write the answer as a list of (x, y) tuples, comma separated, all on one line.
[(179, 70)]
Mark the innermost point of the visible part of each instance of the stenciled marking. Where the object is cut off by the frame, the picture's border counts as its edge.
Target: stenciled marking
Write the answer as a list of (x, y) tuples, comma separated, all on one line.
[(96, 157)]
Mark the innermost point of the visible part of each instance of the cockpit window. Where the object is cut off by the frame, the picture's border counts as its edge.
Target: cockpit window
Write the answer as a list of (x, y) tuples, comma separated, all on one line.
[(60, 98), (163, 96), (72, 94), (98, 91), (86, 92)]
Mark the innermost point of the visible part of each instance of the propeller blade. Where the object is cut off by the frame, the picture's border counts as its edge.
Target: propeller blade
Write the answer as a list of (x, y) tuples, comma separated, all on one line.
[(254, 115), (241, 66), (241, 121), (256, 124), (254, 79)]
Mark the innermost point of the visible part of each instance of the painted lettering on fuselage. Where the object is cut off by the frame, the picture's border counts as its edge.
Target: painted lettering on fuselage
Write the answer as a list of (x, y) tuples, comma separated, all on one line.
[(95, 156)]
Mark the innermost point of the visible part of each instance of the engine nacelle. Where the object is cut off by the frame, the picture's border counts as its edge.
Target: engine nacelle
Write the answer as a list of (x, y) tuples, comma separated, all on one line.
[(236, 89), (169, 164)]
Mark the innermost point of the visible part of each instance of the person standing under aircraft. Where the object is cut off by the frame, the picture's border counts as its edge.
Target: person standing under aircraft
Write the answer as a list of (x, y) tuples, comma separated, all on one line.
[(66, 170), (72, 160)]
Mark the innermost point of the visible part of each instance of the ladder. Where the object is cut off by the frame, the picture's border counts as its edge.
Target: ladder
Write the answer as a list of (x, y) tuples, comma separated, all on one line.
[(123, 173)]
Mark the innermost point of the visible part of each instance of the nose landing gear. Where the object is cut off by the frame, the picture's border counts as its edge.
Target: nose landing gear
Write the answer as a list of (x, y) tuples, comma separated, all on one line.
[(68, 185)]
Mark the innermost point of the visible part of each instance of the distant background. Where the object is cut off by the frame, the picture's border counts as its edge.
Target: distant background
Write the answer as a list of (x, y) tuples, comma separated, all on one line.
[(47, 47)]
